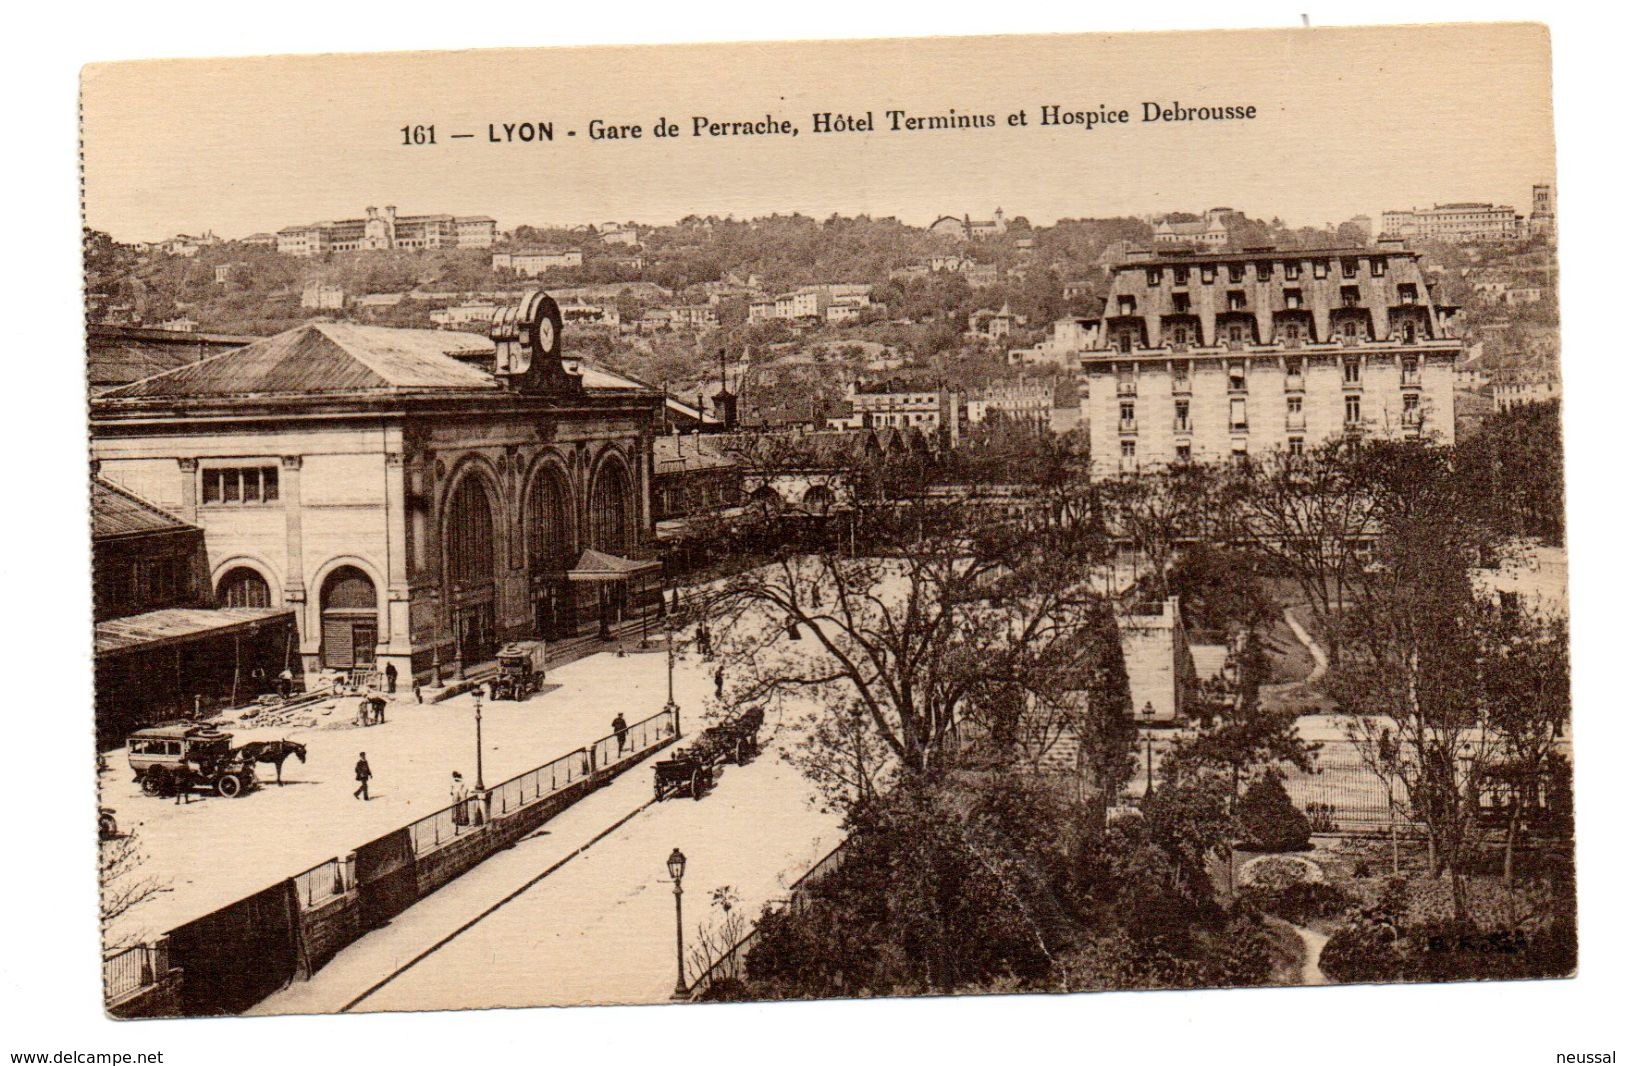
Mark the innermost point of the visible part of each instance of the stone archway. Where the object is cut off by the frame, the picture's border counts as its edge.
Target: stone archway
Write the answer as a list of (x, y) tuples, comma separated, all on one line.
[(349, 614), (471, 566), (611, 509), (550, 548)]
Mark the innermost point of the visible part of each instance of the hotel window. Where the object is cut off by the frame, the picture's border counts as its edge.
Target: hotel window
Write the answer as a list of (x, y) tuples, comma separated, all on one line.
[(1238, 414), (1153, 277), (1294, 445), (1294, 298), (1238, 451), (1182, 275), (1238, 377), (1351, 268), (1321, 268), (1407, 294), (1379, 267), (1294, 405), (1238, 271), (1209, 272), (1182, 375), (1351, 371), (1125, 412), (1351, 410), (1262, 270), (1126, 450), (1235, 300), (1350, 295), (1238, 333), (1182, 414), (1291, 271), (1125, 341), (1181, 335), (1291, 331), (240, 485), (1125, 305), (1412, 408), (1182, 452), (1182, 302)]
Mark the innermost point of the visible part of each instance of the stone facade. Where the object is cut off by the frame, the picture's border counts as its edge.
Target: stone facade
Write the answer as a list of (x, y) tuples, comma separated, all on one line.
[(1210, 357)]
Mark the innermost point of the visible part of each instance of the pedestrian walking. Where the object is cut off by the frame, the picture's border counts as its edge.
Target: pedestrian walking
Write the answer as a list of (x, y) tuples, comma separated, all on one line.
[(363, 710), (183, 787), (363, 774), (719, 682), (390, 675), (378, 704), (459, 799), (619, 725)]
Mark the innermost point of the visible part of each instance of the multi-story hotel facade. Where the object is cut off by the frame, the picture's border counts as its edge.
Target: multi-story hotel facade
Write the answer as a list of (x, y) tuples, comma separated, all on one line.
[(1212, 357), (386, 230)]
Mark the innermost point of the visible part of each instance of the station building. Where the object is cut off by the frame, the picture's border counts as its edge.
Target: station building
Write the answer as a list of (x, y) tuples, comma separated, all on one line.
[(416, 497)]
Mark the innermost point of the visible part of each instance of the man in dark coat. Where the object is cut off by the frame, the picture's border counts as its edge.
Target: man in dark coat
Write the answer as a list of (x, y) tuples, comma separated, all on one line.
[(390, 674), (363, 774), (619, 725)]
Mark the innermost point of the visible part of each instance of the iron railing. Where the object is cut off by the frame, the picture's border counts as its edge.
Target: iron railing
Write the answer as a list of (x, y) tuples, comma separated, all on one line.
[(324, 882), (129, 971), (731, 963)]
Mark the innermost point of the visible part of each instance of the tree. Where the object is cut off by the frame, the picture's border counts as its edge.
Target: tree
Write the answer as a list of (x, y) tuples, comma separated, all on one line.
[(123, 884), (1310, 515), (1157, 511), (958, 604), (1525, 662)]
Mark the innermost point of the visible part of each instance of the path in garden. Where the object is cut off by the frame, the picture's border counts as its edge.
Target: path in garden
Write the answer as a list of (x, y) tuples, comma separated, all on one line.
[(1316, 652), (1313, 944)]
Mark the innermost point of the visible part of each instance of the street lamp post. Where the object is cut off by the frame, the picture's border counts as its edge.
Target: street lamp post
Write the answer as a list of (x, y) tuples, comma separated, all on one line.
[(671, 693), (479, 747), (674, 866), (1149, 712)]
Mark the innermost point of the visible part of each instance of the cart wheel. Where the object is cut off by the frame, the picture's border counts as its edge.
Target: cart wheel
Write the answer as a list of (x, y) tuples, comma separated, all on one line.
[(694, 784), (154, 783), (229, 786)]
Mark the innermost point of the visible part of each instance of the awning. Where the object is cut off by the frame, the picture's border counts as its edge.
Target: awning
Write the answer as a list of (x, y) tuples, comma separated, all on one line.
[(177, 625), (602, 566)]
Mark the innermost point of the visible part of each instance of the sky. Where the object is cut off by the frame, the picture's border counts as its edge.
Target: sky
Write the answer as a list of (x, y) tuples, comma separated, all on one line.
[(1350, 121)]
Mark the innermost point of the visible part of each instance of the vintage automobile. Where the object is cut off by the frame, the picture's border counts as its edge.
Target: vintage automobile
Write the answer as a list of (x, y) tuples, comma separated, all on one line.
[(521, 670), (181, 756)]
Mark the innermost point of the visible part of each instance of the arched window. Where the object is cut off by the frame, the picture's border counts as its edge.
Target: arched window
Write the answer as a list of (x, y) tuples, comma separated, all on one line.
[(610, 510), (243, 586), (547, 523), (818, 500), (470, 536)]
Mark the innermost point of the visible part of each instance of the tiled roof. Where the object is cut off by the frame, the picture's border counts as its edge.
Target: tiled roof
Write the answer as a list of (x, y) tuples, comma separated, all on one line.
[(174, 625), (326, 358), (118, 512)]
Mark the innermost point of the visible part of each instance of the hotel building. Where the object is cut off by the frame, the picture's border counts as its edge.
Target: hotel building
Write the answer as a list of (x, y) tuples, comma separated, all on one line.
[(1205, 357)]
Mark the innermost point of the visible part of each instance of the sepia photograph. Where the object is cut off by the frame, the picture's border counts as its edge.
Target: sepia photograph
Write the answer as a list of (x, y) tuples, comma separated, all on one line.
[(743, 528)]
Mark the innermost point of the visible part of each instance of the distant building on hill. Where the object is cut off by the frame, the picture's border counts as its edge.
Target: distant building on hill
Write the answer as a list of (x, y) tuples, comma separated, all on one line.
[(1209, 231), (1453, 222), (534, 262), (966, 228), (320, 296), (381, 231)]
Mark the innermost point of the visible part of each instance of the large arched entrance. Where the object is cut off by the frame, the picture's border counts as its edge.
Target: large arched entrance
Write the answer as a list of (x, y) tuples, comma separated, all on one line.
[(471, 569), (242, 586), (550, 552), (610, 514), (349, 620), (610, 510)]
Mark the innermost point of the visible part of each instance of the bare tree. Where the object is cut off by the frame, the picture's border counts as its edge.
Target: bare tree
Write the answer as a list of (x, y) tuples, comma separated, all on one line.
[(124, 886), (965, 606)]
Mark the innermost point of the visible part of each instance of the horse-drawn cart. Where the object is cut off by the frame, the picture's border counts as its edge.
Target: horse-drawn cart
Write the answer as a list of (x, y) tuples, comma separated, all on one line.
[(181, 756), (692, 771)]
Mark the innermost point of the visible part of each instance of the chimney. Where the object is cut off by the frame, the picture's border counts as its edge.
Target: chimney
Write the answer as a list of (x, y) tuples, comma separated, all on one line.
[(372, 212), (389, 212)]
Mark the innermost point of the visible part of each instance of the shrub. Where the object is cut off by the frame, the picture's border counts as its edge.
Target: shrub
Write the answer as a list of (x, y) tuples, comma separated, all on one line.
[(1269, 821), (1298, 903)]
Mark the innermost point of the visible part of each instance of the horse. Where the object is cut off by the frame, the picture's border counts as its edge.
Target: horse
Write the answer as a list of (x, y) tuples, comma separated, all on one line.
[(271, 751)]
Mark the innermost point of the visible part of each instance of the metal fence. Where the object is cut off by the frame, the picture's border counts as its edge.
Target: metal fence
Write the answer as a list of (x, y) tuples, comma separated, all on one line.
[(639, 737), (545, 780), (446, 826), (323, 882), (731, 964), (129, 971), (1346, 795)]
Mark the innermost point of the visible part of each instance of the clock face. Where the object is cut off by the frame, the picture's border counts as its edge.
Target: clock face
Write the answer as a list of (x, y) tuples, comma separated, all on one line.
[(545, 335)]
